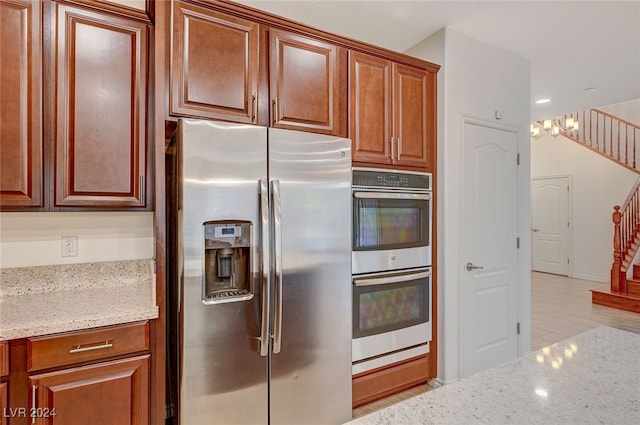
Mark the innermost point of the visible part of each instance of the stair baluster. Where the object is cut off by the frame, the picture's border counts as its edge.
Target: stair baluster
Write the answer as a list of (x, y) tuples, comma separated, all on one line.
[(616, 268)]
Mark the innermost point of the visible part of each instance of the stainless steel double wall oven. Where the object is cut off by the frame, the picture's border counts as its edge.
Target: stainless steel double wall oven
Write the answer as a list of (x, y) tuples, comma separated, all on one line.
[(391, 266)]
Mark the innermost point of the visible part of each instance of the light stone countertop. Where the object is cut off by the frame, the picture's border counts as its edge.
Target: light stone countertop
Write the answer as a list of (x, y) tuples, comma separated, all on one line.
[(50, 299), (592, 378)]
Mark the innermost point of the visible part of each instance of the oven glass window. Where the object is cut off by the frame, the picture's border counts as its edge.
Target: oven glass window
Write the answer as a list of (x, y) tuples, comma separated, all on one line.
[(384, 308), (389, 307), (390, 224)]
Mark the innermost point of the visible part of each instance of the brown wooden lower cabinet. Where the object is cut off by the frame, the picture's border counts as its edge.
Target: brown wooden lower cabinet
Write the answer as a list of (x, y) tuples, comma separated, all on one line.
[(382, 382), (4, 359), (98, 376), (115, 392), (4, 386), (4, 391)]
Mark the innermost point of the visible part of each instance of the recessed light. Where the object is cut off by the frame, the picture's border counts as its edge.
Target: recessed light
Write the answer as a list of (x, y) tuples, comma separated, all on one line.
[(543, 101), (588, 90)]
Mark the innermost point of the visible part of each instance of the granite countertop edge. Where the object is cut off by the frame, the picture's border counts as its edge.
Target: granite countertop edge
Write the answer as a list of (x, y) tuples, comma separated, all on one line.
[(78, 324), (124, 292)]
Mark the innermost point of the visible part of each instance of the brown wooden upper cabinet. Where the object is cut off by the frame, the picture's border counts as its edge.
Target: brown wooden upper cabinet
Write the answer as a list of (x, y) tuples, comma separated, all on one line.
[(214, 71), (414, 116), (391, 112), (233, 69), (370, 115), (100, 101), (21, 149), (304, 83)]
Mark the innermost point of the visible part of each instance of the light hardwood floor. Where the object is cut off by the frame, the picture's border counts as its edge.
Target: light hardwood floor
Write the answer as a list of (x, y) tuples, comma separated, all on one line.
[(560, 308)]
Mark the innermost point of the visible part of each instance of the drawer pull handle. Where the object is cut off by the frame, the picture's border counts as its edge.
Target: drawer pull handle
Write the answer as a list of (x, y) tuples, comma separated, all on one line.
[(80, 349)]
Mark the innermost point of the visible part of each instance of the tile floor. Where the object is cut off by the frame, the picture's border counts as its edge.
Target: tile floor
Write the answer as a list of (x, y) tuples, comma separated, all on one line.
[(560, 308)]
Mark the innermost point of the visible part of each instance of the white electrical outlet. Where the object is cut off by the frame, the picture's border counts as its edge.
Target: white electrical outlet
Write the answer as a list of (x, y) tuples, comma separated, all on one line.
[(69, 246)]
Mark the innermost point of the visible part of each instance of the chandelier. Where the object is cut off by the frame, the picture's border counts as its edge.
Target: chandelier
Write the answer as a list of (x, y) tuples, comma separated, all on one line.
[(552, 127)]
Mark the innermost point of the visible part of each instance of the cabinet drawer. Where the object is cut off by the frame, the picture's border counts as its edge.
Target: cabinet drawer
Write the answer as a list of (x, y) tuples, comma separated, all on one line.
[(84, 346), (4, 358)]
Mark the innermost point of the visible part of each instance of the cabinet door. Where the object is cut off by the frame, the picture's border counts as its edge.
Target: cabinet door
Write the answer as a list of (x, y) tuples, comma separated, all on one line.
[(370, 108), (4, 391), (100, 99), (304, 83), (214, 71), (21, 105), (414, 116), (110, 393)]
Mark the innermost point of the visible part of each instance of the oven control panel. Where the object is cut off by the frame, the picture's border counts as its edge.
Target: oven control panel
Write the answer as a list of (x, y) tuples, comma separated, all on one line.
[(372, 178), (392, 180)]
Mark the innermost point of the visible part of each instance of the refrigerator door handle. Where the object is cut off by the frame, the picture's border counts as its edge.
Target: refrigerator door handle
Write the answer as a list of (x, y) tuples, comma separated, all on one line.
[(264, 268), (277, 235)]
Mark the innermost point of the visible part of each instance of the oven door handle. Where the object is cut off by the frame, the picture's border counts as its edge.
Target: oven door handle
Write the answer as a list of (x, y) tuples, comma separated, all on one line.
[(390, 279), (392, 195)]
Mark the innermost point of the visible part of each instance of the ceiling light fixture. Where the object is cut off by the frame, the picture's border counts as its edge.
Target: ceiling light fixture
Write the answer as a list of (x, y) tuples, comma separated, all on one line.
[(551, 127), (543, 101)]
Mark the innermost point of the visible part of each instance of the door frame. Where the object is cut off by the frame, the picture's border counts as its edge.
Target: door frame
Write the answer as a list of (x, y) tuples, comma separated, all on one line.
[(569, 214), (523, 217)]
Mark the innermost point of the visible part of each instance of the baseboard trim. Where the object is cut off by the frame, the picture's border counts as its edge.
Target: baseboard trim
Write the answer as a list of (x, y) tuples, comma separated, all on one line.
[(592, 278), (436, 383)]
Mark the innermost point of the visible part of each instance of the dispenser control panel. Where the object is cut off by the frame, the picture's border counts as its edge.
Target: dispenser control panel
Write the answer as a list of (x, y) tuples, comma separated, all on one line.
[(228, 232)]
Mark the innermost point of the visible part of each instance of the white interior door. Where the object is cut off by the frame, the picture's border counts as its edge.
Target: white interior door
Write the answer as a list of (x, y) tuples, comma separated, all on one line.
[(488, 286), (550, 224)]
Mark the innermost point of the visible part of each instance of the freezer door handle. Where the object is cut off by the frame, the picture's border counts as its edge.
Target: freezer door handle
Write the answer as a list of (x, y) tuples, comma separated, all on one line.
[(277, 235), (264, 267)]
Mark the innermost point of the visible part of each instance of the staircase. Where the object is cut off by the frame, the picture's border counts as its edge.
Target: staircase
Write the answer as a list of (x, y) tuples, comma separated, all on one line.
[(617, 140), (607, 135)]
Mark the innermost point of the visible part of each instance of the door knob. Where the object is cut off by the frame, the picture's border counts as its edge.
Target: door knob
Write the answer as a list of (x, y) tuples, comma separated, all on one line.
[(470, 267), (535, 230)]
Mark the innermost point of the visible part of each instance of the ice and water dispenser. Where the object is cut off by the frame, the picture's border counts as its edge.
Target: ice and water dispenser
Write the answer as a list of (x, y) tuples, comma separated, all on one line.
[(227, 265)]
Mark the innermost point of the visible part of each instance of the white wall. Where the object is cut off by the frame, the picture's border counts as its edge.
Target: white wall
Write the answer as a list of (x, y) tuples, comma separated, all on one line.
[(598, 185), (475, 80), (34, 239), (628, 111)]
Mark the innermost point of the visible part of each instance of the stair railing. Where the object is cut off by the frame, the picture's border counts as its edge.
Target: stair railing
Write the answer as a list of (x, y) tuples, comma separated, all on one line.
[(615, 138), (626, 225)]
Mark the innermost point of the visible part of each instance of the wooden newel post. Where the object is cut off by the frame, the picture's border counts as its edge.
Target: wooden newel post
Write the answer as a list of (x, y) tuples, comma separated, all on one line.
[(616, 268)]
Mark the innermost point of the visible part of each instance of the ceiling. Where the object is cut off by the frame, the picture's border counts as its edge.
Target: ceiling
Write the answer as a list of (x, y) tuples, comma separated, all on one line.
[(572, 45)]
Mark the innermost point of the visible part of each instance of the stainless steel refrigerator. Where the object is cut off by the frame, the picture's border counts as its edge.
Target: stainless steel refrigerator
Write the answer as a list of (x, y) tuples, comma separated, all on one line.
[(263, 276)]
